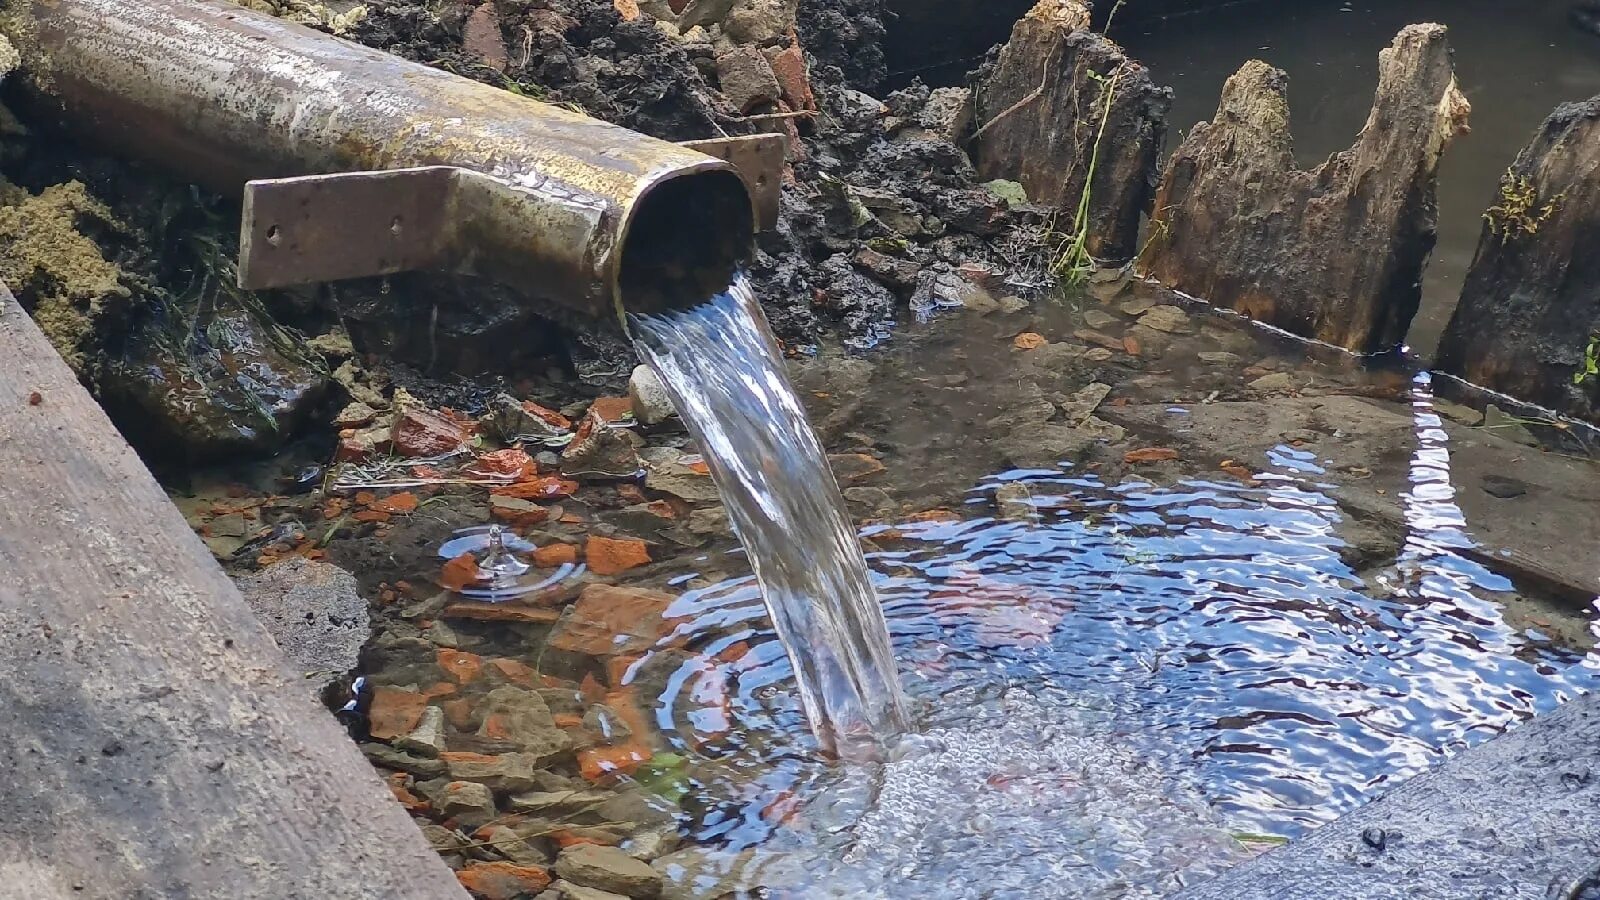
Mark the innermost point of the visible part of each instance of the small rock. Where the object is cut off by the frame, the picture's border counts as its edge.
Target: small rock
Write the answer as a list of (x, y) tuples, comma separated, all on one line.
[(851, 468), (1098, 354), (891, 271), (509, 421), (503, 880), (1015, 502), (1010, 191), (394, 711), (514, 848), (1098, 319), (506, 772), (388, 757), (314, 612), (1101, 430), (519, 720), (1012, 304), (556, 804), (859, 111), (611, 556), (1455, 412), (1043, 446), (948, 115), (669, 474), (794, 78), (747, 79), (1498, 423), (1220, 358), (566, 890), (650, 845), (609, 620), (421, 433), (1277, 381), (608, 869), (1138, 306), (481, 37), (1504, 487), (876, 501), (427, 739), (711, 521), (1081, 405), (442, 839), (599, 450), (467, 801), (651, 403), (1170, 319)]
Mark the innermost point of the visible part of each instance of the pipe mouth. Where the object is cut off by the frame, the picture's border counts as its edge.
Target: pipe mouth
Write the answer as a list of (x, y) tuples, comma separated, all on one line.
[(685, 239)]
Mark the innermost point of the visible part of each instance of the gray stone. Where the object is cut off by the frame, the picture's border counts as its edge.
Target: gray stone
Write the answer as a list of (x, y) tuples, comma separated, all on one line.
[(315, 613), (652, 844), (506, 772), (710, 521), (1012, 304), (1170, 319), (876, 501), (556, 803), (747, 79), (948, 115), (513, 847), (470, 803), (525, 723), (858, 111), (1499, 423), (1138, 306), (1455, 412), (604, 451), (1081, 405), (1101, 430), (1015, 502), (566, 890), (668, 473), (1277, 381), (442, 839), (1043, 446), (427, 739), (508, 422), (608, 869), (1220, 358), (387, 757), (1098, 319)]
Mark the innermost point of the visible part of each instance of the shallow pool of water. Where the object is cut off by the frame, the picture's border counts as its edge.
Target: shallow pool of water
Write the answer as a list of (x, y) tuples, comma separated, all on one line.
[(1122, 686)]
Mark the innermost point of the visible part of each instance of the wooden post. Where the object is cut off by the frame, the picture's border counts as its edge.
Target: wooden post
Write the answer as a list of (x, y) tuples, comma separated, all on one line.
[(153, 742)]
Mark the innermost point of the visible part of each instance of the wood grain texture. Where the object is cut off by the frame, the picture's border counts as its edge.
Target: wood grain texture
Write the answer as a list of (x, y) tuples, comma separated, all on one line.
[(1334, 253), (155, 746)]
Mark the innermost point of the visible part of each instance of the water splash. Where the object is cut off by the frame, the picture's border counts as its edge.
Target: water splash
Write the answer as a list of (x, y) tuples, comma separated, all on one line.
[(506, 576), (725, 374)]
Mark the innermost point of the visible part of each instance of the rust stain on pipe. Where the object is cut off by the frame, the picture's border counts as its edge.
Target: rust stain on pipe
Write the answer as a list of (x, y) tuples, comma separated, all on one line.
[(576, 211)]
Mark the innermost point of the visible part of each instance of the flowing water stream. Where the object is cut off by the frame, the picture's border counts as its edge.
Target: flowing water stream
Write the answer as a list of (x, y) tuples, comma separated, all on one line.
[(725, 373)]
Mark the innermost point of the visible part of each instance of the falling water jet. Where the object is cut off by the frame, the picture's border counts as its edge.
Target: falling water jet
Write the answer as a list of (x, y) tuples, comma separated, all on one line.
[(725, 374)]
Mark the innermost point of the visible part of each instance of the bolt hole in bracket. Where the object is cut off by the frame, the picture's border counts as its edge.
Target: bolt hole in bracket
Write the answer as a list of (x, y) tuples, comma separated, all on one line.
[(346, 225)]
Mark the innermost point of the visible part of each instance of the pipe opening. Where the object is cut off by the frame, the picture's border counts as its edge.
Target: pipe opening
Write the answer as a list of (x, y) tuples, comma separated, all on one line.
[(683, 243)]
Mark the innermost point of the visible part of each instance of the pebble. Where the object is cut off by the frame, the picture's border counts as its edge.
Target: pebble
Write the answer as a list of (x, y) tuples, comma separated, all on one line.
[(1138, 306), (1098, 319), (1169, 319), (608, 869), (1012, 304), (427, 739), (1277, 381), (1015, 502), (1220, 358), (1081, 405), (651, 403)]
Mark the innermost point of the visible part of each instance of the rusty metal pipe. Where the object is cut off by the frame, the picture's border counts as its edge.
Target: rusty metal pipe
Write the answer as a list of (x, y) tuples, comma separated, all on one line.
[(454, 174)]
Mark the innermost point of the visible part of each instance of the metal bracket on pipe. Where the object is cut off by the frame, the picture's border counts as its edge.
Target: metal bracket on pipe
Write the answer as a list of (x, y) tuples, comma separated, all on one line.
[(759, 160), (318, 228)]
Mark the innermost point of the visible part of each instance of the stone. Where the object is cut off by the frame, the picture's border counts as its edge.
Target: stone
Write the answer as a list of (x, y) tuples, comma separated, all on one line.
[(612, 556), (1015, 502), (668, 473), (556, 804), (355, 415), (510, 421), (315, 613), (1333, 253), (1043, 446), (1499, 424), (503, 880), (651, 403), (858, 111), (746, 78), (514, 848), (566, 890), (1044, 99), (468, 802), (610, 620), (1098, 319), (394, 711), (212, 382), (1220, 358), (761, 23), (1081, 405), (420, 433), (1503, 487), (1170, 319), (1526, 324), (515, 719), (794, 78), (599, 450), (948, 114), (1456, 412), (427, 738), (709, 521), (507, 772), (1103, 431), (1277, 381), (891, 271), (608, 869), (388, 757), (481, 37)]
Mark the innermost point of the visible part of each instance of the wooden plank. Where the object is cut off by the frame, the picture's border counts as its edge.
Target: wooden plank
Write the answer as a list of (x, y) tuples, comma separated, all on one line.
[(155, 745)]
